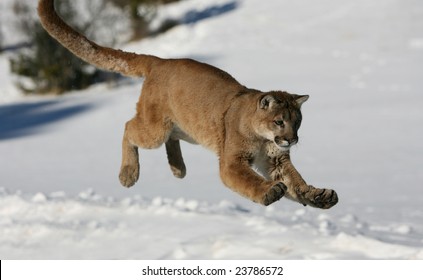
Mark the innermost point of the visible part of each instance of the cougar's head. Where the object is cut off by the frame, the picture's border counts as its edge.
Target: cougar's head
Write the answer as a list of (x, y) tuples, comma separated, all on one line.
[(279, 118)]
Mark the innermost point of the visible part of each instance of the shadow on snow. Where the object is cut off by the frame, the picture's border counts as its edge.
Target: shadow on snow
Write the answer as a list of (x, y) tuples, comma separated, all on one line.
[(23, 119), (195, 16)]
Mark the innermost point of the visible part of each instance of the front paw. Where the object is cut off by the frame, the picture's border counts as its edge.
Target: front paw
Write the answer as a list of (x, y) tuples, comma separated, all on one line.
[(275, 193), (321, 198)]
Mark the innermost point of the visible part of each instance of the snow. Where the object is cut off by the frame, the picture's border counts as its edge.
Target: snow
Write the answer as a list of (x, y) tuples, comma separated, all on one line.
[(361, 64), (91, 226)]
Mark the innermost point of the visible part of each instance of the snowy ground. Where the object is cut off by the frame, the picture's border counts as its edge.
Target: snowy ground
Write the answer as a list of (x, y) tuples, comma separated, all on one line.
[(360, 61)]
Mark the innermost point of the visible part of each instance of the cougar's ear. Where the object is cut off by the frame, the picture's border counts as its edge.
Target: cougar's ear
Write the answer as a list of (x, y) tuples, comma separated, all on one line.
[(266, 102), (300, 99)]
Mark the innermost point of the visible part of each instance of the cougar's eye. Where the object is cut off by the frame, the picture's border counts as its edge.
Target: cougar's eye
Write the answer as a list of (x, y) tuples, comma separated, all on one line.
[(279, 123)]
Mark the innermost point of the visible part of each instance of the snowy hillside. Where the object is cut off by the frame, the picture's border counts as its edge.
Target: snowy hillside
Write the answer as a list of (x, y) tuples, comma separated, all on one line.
[(361, 62)]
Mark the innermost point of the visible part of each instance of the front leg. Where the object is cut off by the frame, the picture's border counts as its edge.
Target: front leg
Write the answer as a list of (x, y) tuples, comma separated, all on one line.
[(237, 174), (282, 169)]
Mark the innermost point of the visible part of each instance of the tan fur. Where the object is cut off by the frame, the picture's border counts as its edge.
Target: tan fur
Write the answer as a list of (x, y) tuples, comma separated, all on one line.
[(183, 99)]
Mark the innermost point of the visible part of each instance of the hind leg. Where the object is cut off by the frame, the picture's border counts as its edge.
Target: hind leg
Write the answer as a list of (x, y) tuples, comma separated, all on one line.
[(130, 168), (174, 156), (140, 132)]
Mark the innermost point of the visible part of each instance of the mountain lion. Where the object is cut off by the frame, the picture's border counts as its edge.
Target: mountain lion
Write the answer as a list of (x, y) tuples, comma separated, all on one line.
[(183, 99)]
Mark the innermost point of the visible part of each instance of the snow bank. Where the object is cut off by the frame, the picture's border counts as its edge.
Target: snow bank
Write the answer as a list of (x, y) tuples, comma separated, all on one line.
[(89, 226)]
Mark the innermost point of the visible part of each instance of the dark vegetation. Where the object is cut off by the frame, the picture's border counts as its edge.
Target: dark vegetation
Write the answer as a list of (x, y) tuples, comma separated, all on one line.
[(46, 67)]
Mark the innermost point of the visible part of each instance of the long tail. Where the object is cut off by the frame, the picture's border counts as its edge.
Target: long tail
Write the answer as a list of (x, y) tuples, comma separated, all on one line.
[(128, 64)]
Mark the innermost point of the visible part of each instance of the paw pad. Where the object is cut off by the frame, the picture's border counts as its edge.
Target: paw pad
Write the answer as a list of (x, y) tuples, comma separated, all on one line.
[(324, 198), (275, 193)]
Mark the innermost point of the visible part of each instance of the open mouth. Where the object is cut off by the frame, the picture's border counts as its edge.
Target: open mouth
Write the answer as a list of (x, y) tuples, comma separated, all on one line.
[(284, 145)]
